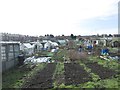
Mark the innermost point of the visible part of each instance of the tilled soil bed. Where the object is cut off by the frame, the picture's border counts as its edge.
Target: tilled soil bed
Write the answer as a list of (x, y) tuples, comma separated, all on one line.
[(43, 79), (75, 74), (103, 72)]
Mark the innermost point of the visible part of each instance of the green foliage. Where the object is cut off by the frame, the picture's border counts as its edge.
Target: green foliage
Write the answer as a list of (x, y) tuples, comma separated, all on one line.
[(15, 77), (95, 77), (96, 81), (70, 87), (59, 55), (59, 71), (85, 68), (45, 53), (109, 83), (112, 64), (72, 36), (62, 85), (12, 77), (114, 50), (89, 85)]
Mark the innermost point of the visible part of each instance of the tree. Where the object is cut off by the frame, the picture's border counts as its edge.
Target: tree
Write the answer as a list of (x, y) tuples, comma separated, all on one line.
[(62, 34), (72, 36), (52, 36), (110, 35)]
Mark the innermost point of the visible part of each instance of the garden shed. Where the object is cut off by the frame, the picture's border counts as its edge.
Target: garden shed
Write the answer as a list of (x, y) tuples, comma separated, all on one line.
[(27, 48), (62, 42), (47, 45), (9, 54), (37, 46)]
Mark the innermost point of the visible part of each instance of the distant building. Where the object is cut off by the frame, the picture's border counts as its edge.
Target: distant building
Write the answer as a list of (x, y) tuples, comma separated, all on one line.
[(9, 54), (18, 37)]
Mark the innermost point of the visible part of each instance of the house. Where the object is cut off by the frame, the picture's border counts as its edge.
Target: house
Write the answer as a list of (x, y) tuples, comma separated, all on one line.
[(9, 54)]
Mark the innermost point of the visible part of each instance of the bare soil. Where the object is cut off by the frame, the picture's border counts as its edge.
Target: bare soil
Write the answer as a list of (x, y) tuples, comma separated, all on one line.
[(75, 74), (103, 72), (43, 79)]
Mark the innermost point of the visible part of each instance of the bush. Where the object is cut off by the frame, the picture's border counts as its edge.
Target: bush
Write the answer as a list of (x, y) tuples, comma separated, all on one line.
[(74, 55)]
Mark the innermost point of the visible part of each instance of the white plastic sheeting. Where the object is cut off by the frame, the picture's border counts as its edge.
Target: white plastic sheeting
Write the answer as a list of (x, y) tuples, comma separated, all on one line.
[(114, 58), (38, 44), (54, 44), (62, 42), (54, 50), (110, 58), (37, 60), (50, 44)]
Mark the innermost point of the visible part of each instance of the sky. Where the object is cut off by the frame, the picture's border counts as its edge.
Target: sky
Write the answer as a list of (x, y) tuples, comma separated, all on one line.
[(57, 17)]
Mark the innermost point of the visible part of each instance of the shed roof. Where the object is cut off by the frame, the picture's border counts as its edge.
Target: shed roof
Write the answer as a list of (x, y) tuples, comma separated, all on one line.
[(9, 42), (28, 45)]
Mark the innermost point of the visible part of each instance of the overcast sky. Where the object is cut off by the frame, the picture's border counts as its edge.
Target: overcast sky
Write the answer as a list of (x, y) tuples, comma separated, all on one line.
[(57, 17)]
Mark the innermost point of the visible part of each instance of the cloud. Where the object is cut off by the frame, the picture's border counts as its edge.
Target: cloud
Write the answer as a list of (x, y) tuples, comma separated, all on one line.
[(52, 16)]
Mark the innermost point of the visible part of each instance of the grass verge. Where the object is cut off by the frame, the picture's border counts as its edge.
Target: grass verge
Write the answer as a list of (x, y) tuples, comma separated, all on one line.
[(16, 77)]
